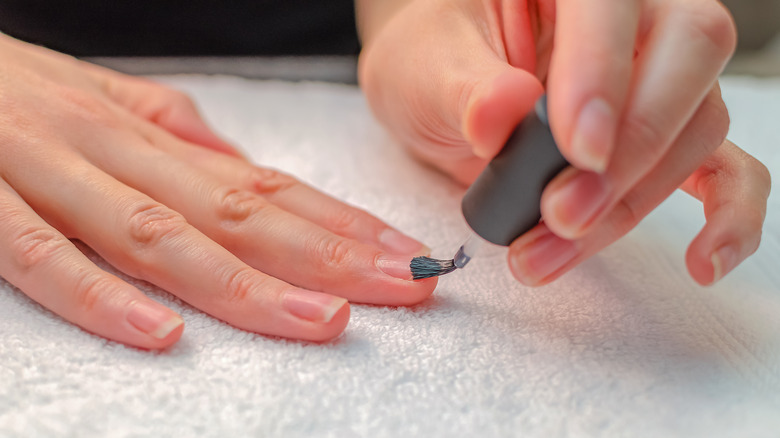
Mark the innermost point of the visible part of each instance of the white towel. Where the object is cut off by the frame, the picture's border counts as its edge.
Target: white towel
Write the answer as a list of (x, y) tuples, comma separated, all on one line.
[(625, 345)]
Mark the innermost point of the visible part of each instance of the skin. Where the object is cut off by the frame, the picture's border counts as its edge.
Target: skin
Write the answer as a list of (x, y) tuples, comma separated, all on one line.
[(633, 100), (130, 169)]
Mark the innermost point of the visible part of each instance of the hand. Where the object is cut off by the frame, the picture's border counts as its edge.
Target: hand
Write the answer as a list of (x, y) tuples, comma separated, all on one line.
[(633, 100), (129, 168)]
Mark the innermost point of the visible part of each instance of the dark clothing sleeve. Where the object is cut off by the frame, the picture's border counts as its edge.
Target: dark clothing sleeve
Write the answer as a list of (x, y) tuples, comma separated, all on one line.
[(184, 28)]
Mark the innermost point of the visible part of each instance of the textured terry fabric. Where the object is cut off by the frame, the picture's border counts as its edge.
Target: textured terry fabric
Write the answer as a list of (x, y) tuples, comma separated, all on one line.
[(625, 345)]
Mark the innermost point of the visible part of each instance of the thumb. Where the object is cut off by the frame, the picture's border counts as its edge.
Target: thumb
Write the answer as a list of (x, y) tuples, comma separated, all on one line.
[(454, 99), (496, 105)]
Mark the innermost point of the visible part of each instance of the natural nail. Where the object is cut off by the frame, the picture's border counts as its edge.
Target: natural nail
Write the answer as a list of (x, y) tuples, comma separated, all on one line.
[(577, 203), (723, 261), (153, 318), (542, 258), (594, 135), (312, 306), (398, 243), (395, 266)]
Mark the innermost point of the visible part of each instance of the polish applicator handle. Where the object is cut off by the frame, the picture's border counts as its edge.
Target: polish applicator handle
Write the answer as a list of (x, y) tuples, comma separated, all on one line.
[(504, 201)]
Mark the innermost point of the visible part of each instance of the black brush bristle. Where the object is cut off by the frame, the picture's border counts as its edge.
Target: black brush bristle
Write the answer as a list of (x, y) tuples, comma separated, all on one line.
[(426, 267)]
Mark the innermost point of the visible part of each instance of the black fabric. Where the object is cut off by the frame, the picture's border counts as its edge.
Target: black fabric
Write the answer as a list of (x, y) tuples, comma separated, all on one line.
[(184, 28)]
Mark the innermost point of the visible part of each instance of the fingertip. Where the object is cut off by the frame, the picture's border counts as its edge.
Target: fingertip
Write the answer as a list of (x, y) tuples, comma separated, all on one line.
[(540, 256), (496, 107), (573, 202), (332, 329), (168, 340), (155, 325), (708, 268), (701, 269)]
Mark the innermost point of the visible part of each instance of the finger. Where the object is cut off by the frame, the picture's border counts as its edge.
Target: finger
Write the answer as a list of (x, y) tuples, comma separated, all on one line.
[(149, 241), (734, 188), (289, 194), (320, 209), (52, 271), (266, 237), (275, 241), (172, 110), (454, 100), (677, 65), (588, 82), (540, 256)]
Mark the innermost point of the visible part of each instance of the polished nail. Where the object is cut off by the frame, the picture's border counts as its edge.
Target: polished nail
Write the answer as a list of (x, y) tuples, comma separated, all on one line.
[(395, 266), (312, 306), (542, 258), (578, 202), (398, 243), (594, 134), (723, 261), (153, 318)]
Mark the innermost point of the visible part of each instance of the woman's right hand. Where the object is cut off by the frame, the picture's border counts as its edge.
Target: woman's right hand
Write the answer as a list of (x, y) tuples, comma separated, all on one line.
[(129, 168), (634, 106)]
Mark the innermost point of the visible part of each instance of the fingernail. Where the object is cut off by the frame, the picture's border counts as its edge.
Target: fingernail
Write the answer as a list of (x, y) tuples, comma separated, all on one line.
[(542, 258), (312, 306), (153, 318), (577, 203), (594, 134), (398, 243), (395, 266), (723, 261)]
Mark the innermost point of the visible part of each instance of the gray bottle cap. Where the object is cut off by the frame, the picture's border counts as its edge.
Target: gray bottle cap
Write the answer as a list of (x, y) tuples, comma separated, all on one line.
[(504, 201)]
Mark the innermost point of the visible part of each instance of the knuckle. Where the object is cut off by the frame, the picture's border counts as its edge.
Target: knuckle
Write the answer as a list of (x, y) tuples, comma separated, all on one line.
[(270, 182), (91, 290), (34, 246), (713, 22), (236, 206), (330, 254), (151, 223), (240, 285)]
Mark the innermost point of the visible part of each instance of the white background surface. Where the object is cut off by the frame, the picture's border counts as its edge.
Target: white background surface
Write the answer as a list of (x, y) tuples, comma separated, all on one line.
[(626, 345)]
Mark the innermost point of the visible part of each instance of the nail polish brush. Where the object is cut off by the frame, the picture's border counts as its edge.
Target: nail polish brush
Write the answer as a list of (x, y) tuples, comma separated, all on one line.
[(504, 201)]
